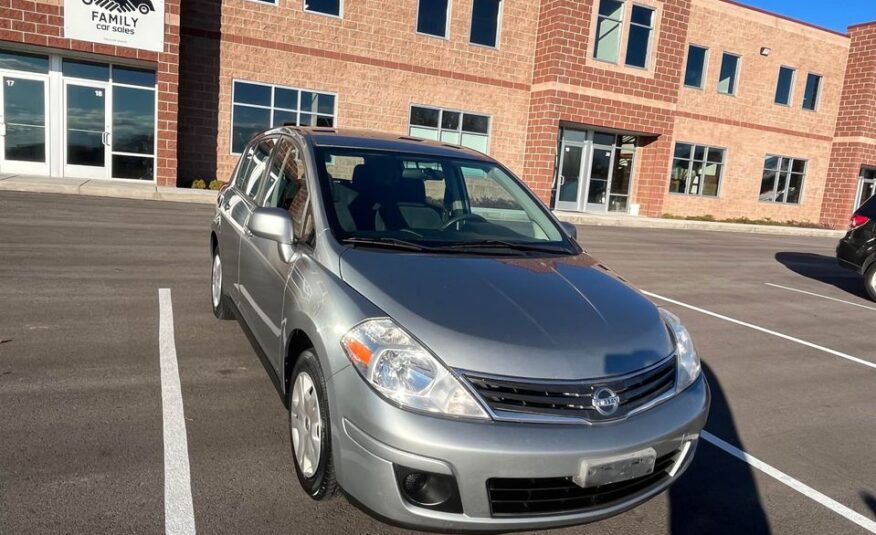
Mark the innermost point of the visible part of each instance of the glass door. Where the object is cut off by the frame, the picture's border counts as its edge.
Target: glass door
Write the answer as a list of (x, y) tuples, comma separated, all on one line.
[(569, 179), (86, 129), (866, 186), (600, 175), (23, 132)]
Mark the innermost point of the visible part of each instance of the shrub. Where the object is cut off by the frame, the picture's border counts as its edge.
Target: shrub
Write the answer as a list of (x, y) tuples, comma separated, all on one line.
[(199, 184), (215, 184)]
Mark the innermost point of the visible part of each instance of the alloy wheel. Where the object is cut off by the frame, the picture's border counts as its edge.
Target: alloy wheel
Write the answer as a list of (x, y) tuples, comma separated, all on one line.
[(217, 280)]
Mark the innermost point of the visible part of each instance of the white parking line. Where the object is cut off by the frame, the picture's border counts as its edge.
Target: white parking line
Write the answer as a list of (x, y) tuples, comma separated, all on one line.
[(819, 295), (179, 516), (802, 488), (765, 330)]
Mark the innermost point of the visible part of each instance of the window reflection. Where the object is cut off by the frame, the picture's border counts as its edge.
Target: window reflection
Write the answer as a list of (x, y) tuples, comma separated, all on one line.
[(133, 120)]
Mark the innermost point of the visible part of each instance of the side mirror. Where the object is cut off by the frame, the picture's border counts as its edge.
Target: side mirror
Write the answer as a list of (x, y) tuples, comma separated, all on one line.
[(570, 229), (274, 224)]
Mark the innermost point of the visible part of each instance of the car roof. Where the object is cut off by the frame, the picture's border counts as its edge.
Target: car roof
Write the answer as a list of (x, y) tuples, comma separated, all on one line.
[(384, 141)]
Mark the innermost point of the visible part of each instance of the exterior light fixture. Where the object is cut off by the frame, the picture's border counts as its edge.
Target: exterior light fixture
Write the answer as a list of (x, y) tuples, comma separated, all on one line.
[(765, 51)]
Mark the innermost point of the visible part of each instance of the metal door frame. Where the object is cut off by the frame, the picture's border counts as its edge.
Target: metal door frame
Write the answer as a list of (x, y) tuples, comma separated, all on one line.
[(17, 166), (583, 202), (585, 151), (87, 171)]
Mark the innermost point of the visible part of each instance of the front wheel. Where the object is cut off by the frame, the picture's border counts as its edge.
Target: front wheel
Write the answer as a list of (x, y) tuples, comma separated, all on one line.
[(221, 308), (144, 9), (310, 428), (870, 281)]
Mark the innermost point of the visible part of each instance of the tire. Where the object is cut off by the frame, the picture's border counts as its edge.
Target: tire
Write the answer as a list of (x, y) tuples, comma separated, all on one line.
[(308, 403), (870, 281), (221, 306), (144, 9)]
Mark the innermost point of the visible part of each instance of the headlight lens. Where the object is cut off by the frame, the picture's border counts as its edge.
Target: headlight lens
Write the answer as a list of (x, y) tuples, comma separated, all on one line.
[(686, 353), (402, 370)]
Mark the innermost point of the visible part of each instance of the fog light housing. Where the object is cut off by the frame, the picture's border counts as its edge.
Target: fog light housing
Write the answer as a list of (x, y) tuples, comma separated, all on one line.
[(428, 490)]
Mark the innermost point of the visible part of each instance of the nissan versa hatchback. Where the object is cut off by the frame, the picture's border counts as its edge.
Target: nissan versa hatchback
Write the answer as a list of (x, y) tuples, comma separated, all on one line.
[(449, 355)]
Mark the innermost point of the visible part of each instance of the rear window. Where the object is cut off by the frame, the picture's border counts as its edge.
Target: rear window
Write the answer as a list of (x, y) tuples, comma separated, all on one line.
[(868, 208)]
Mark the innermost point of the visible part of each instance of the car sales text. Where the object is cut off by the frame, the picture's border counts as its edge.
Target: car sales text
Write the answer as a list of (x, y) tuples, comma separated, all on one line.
[(115, 23)]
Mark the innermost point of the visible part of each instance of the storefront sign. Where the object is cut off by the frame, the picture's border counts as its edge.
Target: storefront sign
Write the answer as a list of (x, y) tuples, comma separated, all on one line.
[(131, 23)]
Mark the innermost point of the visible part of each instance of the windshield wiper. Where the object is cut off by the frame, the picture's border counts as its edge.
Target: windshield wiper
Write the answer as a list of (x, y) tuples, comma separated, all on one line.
[(383, 241), (501, 244)]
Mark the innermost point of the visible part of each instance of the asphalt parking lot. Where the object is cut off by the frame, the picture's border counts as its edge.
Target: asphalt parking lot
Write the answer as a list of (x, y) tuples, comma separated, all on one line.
[(81, 431)]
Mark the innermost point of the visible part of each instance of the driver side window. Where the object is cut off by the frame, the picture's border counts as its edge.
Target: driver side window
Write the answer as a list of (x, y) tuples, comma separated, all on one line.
[(286, 187)]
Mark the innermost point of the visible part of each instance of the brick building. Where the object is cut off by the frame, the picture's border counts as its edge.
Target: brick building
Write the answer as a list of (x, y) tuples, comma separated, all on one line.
[(683, 107)]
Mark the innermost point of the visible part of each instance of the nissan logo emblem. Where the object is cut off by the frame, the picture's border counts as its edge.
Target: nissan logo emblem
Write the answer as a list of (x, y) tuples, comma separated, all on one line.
[(605, 401)]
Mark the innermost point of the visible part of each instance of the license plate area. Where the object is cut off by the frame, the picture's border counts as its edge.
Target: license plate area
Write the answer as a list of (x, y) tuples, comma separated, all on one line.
[(596, 472)]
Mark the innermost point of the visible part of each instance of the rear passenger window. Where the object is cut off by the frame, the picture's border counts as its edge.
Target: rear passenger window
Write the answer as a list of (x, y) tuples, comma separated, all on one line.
[(286, 187), (253, 173)]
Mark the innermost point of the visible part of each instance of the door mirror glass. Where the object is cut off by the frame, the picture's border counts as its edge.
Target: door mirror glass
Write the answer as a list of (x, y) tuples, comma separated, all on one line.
[(272, 224)]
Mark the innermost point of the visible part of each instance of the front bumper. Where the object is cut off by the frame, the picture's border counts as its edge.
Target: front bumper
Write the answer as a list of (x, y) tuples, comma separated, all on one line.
[(370, 435)]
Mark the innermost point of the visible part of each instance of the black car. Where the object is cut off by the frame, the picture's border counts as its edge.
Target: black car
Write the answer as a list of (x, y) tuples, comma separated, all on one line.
[(857, 250)]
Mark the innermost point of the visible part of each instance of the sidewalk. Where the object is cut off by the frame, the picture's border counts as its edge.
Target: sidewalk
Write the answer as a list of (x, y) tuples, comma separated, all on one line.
[(626, 220), (105, 188), (148, 191)]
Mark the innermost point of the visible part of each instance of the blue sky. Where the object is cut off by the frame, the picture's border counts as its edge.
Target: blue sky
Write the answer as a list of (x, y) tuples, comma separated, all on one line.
[(836, 15)]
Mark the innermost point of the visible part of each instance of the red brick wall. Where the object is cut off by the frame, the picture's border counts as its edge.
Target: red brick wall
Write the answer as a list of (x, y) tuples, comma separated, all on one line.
[(41, 23), (855, 141), (569, 86)]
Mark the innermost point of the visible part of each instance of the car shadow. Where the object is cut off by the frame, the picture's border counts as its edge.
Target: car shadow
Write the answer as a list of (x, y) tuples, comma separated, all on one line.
[(823, 269), (718, 494), (870, 500)]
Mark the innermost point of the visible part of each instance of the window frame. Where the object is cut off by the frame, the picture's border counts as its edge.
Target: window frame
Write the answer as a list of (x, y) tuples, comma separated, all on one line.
[(446, 35), (440, 129), (274, 3), (706, 57), (690, 161), (778, 170), (499, 16), (340, 14), (790, 102), (311, 241), (817, 104), (736, 71), (621, 46), (863, 179), (651, 31), (272, 108), (256, 200)]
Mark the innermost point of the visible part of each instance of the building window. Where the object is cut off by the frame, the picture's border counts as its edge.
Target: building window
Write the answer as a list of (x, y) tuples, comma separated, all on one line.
[(325, 7), (696, 170), (639, 40), (729, 71), (458, 128), (608, 30), (810, 95), (782, 179), (695, 71), (784, 86), (485, 22), (257, 107), (432, 17)]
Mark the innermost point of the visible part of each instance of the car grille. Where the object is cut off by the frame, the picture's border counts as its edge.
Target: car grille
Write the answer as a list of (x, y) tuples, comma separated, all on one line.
[(574, 398), (560, 495)]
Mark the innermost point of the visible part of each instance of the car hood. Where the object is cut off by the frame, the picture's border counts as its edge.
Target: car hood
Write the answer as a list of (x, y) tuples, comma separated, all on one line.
[(549, 318)]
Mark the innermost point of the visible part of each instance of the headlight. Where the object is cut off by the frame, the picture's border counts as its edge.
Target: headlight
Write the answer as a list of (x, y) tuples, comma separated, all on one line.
[(405, 372), (688, 368)]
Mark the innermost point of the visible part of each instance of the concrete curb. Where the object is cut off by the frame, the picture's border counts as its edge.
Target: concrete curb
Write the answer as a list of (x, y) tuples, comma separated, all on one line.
[(105, 188), (614, 220)]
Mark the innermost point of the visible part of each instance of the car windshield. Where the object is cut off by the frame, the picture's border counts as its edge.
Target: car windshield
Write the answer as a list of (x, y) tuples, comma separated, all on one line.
[(424, 202)]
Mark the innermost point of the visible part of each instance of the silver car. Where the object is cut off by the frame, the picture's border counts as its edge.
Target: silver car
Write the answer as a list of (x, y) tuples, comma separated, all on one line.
[(449, 355)]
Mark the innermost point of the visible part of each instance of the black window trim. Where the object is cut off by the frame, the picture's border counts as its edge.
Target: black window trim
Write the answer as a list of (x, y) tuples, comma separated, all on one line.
[(790, 102), (447, 17), (817, 104)]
